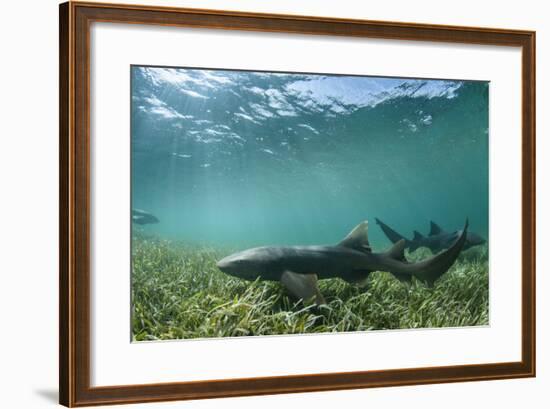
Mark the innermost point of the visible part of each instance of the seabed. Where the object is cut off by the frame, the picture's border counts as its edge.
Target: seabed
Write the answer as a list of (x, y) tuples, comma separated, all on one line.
[(179, 293)]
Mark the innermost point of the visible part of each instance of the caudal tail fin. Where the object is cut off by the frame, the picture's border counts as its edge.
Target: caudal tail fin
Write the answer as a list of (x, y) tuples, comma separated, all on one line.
[(397, 252), (430, 269), (391, 234)]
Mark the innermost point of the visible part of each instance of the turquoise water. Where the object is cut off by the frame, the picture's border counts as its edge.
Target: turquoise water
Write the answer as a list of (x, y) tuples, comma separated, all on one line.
[(241, 159)]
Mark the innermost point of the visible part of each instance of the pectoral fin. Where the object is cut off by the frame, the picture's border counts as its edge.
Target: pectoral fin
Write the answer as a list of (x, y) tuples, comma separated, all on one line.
[(303, 286)]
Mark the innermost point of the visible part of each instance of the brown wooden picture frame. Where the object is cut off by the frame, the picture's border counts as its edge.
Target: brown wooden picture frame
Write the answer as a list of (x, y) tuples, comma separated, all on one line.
[(74, 196)]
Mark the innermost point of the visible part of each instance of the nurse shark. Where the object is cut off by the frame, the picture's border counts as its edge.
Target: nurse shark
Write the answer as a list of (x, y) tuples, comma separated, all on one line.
[(299, 268), (142, 217), (437, 240)]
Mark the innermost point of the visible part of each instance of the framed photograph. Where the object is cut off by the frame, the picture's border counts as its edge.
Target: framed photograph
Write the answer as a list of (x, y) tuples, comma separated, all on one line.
[(260, 204)]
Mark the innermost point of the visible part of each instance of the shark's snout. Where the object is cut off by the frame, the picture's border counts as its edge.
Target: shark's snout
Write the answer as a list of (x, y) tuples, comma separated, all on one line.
[(245, 264), (231, 264), (223, 264)]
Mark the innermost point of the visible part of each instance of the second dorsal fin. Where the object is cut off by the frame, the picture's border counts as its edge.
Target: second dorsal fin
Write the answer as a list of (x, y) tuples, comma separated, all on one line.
[(417, 236), (397, 252), (358, 238)]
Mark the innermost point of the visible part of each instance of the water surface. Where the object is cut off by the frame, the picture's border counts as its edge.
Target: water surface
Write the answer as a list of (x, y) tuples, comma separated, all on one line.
[(240, 159)]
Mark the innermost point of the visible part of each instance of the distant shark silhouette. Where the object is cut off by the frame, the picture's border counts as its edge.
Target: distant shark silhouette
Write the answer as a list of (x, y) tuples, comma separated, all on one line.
[(142, 217), (299, 267), (437, 239)]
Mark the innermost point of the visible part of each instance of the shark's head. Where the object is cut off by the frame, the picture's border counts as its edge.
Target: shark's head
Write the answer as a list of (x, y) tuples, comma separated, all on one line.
[(248, 264), (473, 239), (450, 239)]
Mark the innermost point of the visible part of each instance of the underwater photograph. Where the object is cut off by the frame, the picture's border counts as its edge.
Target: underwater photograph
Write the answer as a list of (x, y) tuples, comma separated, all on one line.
[(271, 203)]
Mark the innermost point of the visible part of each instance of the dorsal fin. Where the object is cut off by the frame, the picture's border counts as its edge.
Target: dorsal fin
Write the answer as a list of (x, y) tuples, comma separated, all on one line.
[(435, 229), (417, 236), (397, 252), (358, 238)]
